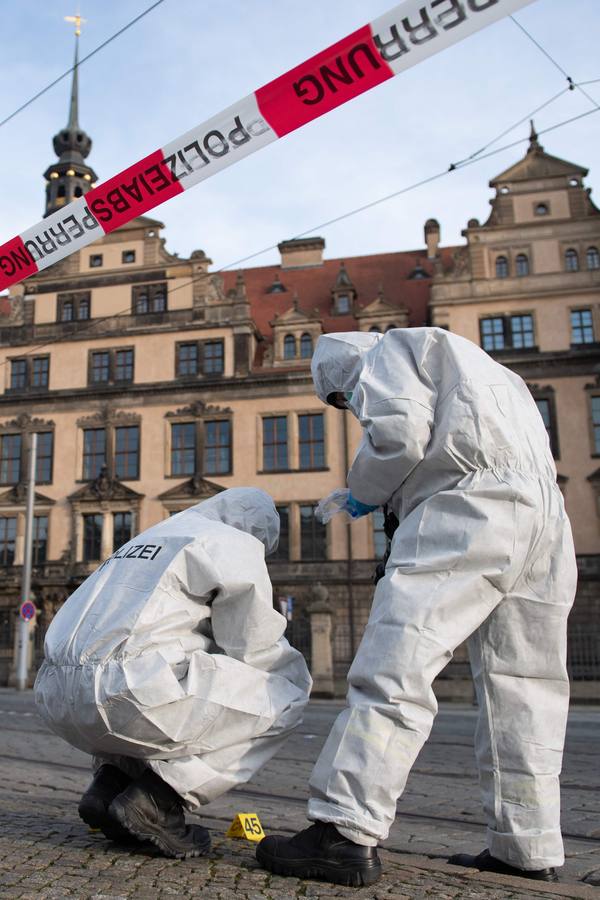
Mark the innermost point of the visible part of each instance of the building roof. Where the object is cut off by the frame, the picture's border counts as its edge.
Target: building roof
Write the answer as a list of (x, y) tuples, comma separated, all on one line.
[(403, 279)]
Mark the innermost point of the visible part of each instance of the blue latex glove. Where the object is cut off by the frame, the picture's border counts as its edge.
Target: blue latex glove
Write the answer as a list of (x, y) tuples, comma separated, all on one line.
[(357, 509)]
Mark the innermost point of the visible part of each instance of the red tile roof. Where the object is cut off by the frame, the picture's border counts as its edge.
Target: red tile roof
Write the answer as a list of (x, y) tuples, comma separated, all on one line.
[(314, 284)]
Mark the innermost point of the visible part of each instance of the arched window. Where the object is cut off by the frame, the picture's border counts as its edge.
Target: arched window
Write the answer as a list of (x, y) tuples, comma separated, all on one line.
[(289, 347), (501, 267), (542, 209), (571, 260), (390, 326), (78, 192), (306, 346), (522, 264), (61, 191), (375, 329), (592, 258)]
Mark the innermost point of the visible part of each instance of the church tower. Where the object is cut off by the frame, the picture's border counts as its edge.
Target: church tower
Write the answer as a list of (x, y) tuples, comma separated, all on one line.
[(70, 177)]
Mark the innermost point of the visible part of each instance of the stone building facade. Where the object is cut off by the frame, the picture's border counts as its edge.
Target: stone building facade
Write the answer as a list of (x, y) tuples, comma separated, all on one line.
[(154, 381)]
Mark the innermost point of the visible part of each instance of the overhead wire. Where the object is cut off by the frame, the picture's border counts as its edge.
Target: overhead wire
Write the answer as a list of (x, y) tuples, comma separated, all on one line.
[(453, 167), (81, 62), (572, 85)]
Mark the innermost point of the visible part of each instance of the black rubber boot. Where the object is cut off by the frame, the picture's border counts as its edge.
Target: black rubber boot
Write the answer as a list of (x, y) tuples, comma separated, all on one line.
[(485, 862), (151, 810), (320, 852), (109, 781)]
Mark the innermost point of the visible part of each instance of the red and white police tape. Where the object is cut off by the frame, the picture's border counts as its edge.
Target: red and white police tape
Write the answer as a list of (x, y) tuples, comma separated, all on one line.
[(401, 38)]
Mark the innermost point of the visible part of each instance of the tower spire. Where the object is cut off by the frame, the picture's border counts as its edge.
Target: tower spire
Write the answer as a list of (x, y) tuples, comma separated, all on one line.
[(70, 177)]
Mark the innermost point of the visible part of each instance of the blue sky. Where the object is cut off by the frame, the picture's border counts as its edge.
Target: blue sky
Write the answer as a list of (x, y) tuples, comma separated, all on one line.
[(189, 59)]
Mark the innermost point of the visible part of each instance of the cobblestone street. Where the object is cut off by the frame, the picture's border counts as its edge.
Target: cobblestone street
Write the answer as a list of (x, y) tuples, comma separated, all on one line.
[(47, 852)]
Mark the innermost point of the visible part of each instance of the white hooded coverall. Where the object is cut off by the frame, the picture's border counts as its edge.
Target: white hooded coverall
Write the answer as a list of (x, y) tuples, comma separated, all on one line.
[(484, 552), (170, 655)]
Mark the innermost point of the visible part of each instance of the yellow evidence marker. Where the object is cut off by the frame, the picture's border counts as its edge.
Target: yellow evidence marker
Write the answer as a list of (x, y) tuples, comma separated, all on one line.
[(246, 825)]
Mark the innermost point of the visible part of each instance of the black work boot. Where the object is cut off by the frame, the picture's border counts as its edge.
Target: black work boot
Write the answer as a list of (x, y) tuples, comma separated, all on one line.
[(109, 781), (320, 852), (485, 862), (151, 810)]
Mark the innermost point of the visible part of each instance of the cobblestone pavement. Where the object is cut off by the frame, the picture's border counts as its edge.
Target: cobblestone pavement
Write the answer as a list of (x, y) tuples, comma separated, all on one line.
[(47, 852)]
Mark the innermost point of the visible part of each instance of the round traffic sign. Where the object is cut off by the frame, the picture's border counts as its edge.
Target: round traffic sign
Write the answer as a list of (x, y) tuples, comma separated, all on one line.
[(27, 610)]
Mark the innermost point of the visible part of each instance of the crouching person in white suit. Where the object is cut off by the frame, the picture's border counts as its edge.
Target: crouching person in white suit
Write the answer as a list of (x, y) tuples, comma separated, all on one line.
[(169, 666)]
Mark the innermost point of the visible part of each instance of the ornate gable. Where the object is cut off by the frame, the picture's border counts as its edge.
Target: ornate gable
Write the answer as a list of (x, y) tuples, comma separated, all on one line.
[(196, 489), (103, 487)]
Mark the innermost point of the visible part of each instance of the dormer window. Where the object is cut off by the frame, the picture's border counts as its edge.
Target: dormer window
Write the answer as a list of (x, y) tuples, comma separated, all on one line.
[(501, 267), (342, 304), (542, 209), (128, 256), (505, 189), (289, 347), (306, 346), (277, 287), (95, 260)]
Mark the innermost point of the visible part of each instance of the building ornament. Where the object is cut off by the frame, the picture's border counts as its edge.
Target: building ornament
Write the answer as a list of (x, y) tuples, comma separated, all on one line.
[(108, 415), (198, 410), (26, 424)]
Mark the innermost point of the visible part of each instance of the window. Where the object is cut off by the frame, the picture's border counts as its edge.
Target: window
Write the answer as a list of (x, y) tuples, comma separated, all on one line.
[(306, 346), (100, 367), (94, 452), (39, 540), (312, 441), (40, 370), (541, 209), (546, 409), (45, 446), (571, 260), (507, 332), (213, 358), (73, 306), (342, 304), (8, 534), (149, 298), (289, 347), (582, 328), (592, 258), (521, 328), (492, 333), (92, 537), (128, 256), (522, 265), (123, 365), (83, 310), (501, 267), (10, 458), (217, 447), (193, 357), (283, 547), (111, 366), (18, 373), (66, 313), (183, 448), (313, 535), (375, 329), (34, 371), (595, 401), (379, 536), (121, 529), (275, 444), (95, 260), (127, 452), (187, 359)]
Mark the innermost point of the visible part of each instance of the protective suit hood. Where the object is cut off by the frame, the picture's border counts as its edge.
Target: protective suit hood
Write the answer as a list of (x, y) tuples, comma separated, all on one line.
[(337, 360), (247, 509)]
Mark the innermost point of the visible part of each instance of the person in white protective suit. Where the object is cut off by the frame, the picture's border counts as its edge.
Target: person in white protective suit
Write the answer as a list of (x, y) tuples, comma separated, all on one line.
[(169, 666), (454, 444)]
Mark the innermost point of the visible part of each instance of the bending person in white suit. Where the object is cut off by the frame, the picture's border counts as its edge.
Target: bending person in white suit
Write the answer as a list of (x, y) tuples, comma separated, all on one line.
[(454, 444), (169, 666)]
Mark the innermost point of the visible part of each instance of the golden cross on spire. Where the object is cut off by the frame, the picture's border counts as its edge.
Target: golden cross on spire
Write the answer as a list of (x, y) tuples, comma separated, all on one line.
[(77, 20)]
